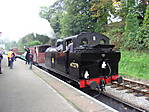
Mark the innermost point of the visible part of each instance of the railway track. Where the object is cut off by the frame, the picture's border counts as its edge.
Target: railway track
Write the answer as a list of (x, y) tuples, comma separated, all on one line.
[(103, 97), (120, 105), (133, 86), (115, 103)]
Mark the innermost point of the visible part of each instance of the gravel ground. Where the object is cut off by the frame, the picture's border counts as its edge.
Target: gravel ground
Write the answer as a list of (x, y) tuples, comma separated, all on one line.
[(129, 97)]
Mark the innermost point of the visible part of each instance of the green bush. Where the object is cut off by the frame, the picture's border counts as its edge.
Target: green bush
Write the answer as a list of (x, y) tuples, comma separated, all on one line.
[(142, 38), (131, 28), (146, 18), (115, 36)]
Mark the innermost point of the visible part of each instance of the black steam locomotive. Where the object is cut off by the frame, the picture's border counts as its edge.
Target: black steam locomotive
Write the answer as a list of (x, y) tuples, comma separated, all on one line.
[(92, 61)]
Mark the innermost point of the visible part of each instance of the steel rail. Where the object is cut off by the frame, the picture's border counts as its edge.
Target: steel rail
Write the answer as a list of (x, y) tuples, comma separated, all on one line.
[(135, 86)]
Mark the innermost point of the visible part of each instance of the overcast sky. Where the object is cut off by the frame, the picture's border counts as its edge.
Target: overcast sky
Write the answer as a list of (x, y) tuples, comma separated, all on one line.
[(21, 17)]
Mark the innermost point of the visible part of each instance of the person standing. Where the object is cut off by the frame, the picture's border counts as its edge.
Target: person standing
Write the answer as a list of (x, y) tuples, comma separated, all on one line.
[(11, 59), (9, 56), (1, 57), (27, 55), (30, 59)]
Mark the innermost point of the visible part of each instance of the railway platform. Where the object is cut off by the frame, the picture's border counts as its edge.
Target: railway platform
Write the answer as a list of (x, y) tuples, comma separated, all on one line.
[(25, 90)]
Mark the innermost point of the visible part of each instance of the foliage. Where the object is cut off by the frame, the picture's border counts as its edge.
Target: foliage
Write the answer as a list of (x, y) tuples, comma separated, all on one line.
[(42, 38), (100, 12), (32, 39), (131, 21), (33, 43), (126, 4), (131, 28), (130, 3), (10, 45), (134, 64), (146, 18), (115, 36), (142, 38), (23, 42), (76, 17), (66, 24), (70, 17), (44, 13), (53, 14), (122, 11), (141, 9)]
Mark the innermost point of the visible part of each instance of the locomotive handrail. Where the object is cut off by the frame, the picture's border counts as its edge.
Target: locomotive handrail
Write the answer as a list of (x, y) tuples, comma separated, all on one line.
[(95, 46), (103, 46)]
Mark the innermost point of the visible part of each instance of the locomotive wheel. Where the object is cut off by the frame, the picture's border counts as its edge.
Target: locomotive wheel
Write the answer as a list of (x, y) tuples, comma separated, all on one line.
[(95, 86), (119, 80)]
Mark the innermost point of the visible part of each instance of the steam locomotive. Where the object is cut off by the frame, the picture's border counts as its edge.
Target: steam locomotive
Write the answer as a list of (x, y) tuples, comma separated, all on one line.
[(93, 61)]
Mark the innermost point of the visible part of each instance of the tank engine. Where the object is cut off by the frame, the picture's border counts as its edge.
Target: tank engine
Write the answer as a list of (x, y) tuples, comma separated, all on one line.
[(93, 61)]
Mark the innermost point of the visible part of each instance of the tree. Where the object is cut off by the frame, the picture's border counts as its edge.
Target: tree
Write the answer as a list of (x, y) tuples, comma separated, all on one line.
[(70, 17), (100, 12), (142, 39), (23, 42), (76, 17), (131, 27), (42, 38), (53, 15), (10, 44), (32, 39), (33, 43), (146, 18)]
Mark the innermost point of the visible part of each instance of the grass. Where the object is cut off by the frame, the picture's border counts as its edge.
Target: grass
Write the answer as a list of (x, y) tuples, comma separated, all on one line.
[(134, 64)]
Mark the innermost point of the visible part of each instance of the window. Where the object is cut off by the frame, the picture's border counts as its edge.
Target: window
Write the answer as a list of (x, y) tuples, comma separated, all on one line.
[(84, 41), (43, 48), (101, 41)]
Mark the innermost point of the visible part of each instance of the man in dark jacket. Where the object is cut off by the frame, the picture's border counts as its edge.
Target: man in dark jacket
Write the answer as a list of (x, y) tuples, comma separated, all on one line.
[(30, 59), (27, 55)]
